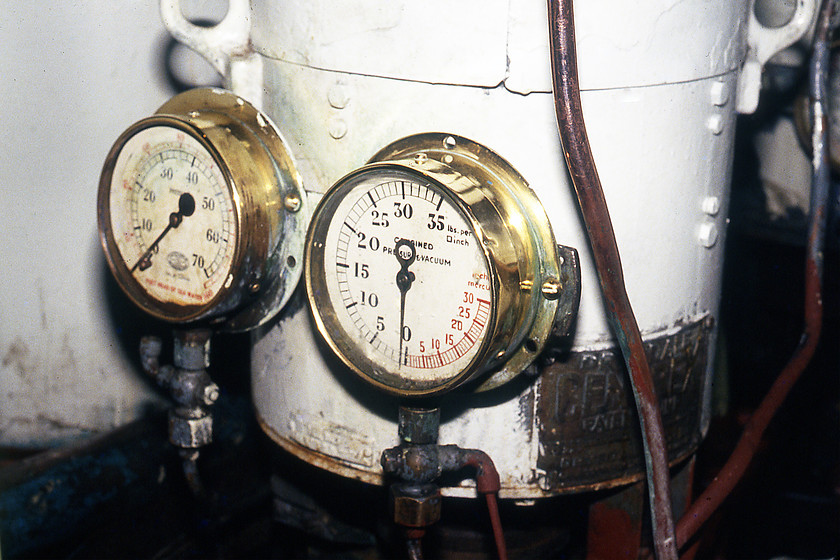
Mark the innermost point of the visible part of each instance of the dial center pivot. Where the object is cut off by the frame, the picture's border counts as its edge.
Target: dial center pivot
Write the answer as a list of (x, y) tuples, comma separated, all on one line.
[(406, 254)]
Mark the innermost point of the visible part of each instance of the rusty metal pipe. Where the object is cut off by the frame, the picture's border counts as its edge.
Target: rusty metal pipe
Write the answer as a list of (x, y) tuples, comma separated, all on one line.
[(496, 524), (189, 464), (599, 228), (744, 452)]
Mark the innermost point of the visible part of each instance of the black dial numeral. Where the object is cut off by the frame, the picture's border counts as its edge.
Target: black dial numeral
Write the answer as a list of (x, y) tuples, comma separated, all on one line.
[(379, 220), (403, 210), (435, 222)]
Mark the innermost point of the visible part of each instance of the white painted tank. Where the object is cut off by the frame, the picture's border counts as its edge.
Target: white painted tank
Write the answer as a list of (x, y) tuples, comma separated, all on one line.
[(661, 84), (65, 373)]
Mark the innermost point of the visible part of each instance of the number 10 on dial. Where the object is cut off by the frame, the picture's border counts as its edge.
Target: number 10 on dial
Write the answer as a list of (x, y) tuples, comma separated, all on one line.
[(407, 280)]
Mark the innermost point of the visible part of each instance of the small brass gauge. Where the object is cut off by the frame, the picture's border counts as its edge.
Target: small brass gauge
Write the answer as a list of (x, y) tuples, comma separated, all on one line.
[(202, 214), (432, 265)]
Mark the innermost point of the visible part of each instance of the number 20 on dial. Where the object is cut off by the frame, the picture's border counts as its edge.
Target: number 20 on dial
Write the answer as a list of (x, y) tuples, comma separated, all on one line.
[(193, 202), (404, 276)]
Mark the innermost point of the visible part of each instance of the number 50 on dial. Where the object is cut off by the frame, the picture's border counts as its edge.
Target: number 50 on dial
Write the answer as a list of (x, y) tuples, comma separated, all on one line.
[(202, 213), (425, 268)]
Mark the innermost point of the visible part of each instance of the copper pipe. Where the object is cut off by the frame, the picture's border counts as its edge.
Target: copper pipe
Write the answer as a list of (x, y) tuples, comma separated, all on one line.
[(496, 523), (599, 228), (487, 482), (744, 452)]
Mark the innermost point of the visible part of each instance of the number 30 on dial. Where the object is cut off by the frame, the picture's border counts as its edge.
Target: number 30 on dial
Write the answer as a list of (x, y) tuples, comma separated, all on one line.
[(416, 264), (202, 214)]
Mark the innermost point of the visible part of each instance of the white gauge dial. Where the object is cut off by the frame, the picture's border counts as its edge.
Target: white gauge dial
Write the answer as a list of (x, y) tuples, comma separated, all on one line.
[(202, 214), (172, 216), (431, 266), (406, 276)]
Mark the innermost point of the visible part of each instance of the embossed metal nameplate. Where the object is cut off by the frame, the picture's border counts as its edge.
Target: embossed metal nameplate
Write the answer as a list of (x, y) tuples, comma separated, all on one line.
[(588, 429)]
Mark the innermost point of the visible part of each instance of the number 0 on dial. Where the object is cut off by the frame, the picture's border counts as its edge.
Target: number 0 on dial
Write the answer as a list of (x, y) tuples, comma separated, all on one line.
[(407, 279)]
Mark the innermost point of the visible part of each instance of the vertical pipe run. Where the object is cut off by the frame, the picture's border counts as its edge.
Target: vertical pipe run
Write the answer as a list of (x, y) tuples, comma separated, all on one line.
[(736, 465), (599, 228)]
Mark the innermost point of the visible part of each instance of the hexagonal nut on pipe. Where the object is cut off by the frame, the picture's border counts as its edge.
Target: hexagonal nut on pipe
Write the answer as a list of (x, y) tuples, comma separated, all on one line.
[(190, 433), (416, 505)]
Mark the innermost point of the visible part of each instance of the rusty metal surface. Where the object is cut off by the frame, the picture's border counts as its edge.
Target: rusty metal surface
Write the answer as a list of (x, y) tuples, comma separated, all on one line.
[(570, 296), (615, 525), (419, 425), (588, 429)]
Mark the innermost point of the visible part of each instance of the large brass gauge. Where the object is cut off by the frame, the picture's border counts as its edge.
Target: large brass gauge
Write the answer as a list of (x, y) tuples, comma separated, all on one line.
[(202, 214), (432, 265)]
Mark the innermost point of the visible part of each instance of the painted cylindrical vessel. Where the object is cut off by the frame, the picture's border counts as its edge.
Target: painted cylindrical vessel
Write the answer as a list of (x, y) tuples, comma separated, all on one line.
[(661, 85)]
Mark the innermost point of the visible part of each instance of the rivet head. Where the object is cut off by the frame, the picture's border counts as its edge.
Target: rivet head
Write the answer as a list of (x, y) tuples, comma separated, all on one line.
[(337, 128), (337, 97), (420, 159)]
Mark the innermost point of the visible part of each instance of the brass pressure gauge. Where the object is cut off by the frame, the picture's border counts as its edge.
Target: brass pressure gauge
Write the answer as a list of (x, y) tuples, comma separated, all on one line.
[(432, 265), (202, 214)]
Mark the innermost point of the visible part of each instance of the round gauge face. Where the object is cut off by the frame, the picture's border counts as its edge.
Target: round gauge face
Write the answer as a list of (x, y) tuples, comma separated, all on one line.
[(400, 285), (171, 215)]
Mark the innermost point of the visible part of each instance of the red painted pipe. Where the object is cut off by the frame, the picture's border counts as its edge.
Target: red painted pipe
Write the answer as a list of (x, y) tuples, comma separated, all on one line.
[(487, 482)]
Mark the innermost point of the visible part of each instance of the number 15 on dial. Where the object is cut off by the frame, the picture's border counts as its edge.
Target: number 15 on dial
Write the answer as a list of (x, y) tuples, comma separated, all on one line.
[(416, 285)]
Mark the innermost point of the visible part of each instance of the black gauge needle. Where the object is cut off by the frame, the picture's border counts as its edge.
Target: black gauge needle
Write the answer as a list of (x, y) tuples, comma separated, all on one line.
[(405, 253), (186, 207)]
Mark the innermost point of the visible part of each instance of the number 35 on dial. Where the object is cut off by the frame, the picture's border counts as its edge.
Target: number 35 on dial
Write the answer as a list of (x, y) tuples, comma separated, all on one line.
[(415, 267)]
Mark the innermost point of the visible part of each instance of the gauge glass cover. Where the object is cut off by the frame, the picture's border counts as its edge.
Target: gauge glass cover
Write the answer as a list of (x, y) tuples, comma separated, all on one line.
[(409, 297), (172, 216)]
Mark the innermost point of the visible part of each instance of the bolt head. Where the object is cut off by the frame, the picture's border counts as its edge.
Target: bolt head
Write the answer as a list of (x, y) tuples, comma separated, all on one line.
[(708, 235), (719, 94), (552, 288), (416, 506), (715, 124), (292, 202), (711, 205)]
